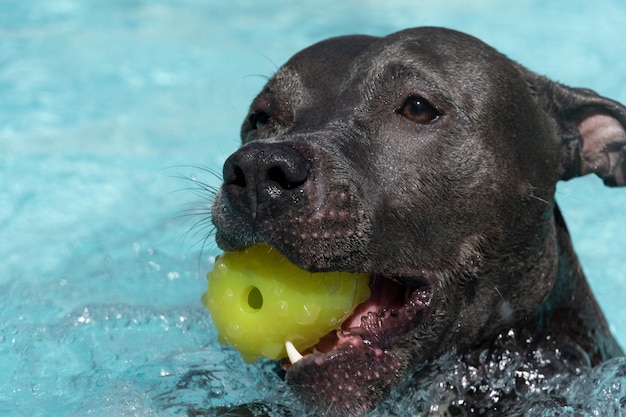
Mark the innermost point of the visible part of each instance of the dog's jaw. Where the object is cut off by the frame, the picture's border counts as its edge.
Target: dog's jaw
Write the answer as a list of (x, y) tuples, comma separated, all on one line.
[(335, 376)]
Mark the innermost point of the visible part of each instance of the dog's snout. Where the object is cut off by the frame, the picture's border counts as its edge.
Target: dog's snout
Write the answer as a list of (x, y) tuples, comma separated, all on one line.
[(263, 173)]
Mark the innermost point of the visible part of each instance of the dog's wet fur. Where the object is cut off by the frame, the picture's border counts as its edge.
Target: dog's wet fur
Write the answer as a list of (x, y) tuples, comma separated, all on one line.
[(428, 160)]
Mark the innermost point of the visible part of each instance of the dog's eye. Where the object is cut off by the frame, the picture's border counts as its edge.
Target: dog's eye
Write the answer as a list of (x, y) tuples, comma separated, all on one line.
[(418, 110), (258, 119)]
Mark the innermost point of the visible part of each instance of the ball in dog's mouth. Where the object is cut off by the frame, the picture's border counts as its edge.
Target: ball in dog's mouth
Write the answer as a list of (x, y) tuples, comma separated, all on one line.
[(355, 354), (265, 306)]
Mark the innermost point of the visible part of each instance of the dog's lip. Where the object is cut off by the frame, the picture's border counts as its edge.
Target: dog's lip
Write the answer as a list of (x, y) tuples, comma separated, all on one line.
[(397, 305)]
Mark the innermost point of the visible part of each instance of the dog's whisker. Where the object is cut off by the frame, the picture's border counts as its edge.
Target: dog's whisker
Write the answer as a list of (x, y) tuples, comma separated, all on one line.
[(200, 186), (265, 77), (541, 200), (206, 169), (201, 212), (200, 228)]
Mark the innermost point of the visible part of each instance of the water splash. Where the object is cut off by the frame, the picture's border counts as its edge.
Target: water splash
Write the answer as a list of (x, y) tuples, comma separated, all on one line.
[(510, 379)]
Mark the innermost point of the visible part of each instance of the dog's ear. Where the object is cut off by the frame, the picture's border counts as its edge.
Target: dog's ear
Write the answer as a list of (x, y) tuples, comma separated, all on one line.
[(592, 130)]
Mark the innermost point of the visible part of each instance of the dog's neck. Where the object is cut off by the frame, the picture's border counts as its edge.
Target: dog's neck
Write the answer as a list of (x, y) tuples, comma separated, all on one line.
[(571, 313), (567, 318)]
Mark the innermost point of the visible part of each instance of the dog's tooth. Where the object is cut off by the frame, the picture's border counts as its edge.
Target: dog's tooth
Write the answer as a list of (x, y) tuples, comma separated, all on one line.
[(292, 352)]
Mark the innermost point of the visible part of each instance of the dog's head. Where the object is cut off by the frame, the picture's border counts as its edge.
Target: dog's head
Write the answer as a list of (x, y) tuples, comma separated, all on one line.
[(428, 160)]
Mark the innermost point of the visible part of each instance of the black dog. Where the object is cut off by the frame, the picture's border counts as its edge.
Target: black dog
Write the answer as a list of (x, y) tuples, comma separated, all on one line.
[(428, 160)]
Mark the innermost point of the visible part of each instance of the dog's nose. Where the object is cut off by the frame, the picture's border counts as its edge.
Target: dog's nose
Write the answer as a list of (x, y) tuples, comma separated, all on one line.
[(264, 175)]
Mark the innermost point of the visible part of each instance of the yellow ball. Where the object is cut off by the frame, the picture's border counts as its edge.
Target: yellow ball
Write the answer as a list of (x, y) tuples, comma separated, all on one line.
[(258, 300)]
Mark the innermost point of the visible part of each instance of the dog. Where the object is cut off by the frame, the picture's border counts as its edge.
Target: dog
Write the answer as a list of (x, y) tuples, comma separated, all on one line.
[(428, 160)]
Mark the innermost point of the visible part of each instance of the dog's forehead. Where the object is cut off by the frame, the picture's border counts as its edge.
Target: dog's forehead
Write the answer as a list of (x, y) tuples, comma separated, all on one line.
[(436, 55), (326, 64), (442, 53)]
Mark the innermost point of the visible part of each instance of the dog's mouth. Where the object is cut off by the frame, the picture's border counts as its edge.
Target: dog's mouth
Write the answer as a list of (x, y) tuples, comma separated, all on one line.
[(396, 306)]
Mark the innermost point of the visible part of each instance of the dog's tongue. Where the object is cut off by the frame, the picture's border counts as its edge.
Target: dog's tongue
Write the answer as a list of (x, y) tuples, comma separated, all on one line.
[(260, 302), (386, 295)]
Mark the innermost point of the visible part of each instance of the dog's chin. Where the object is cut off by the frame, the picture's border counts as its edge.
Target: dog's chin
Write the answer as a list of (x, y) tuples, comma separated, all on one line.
[(350, 370)]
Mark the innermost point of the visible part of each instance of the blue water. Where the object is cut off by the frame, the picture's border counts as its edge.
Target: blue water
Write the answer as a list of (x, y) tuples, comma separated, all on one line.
[(106, 106)]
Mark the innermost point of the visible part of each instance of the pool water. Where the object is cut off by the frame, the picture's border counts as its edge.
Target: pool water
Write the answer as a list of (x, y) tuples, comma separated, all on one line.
[(109, 110)]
